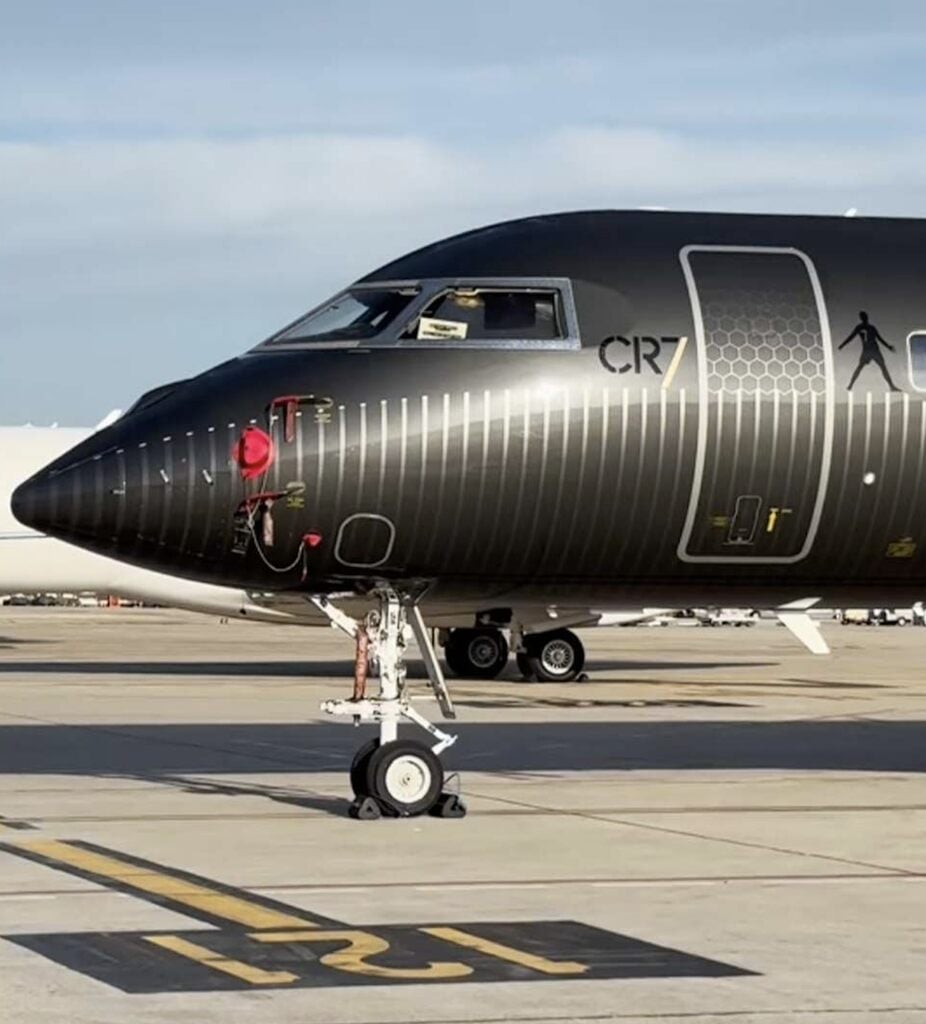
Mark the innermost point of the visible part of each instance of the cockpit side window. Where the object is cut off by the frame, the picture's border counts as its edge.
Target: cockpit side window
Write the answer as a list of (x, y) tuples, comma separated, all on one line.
[(515, 312), (488, 314)]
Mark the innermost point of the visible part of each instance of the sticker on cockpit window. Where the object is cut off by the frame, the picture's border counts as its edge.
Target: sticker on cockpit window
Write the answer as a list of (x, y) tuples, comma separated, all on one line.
[(431, 327)]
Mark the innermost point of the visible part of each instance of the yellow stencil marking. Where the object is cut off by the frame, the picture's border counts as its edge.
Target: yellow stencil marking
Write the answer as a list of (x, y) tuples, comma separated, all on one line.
[(176, 890), (509, 953), (254, 975), (360, 945), (676, 362), (903, 548)]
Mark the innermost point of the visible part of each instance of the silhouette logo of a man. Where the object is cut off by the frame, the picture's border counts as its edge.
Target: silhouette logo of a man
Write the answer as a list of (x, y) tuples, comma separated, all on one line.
[(870, 337)]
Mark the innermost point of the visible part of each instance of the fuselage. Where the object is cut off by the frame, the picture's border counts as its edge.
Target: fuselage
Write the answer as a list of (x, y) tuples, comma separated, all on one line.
[(622, 408)]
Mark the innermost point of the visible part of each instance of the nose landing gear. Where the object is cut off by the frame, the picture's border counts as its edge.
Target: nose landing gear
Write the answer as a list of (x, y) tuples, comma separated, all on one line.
[(393, 776)]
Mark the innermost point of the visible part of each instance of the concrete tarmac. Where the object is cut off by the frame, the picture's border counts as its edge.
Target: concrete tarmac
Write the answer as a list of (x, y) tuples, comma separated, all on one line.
[(717, 827)]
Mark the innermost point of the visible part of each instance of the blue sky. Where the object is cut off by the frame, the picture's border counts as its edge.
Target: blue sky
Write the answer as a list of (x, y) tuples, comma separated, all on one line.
[(179, 179)]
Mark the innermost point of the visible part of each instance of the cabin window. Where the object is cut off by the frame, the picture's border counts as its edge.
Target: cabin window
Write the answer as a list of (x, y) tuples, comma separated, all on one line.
[(357, 314), (916, 350), (464, 314)]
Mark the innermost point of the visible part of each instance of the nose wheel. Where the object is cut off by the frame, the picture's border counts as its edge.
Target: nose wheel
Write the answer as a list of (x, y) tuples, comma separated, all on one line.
[(405, 778), (391, 775)]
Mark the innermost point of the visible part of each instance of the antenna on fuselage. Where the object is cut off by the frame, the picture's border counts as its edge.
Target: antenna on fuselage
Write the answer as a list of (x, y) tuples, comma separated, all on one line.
[(851, 212)]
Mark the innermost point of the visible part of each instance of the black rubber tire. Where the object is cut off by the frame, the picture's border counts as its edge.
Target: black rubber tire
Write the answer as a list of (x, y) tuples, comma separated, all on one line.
[(476, 653), (424, 767), (358, 768), (544, 650), (524, 667)]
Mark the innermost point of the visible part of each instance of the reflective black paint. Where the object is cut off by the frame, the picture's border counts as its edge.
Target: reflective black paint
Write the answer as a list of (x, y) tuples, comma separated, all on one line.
[(516, 474)]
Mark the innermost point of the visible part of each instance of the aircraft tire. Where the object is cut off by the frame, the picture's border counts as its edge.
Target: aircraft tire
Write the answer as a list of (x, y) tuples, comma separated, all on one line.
[(524, 667), (554, 657), (476, 653), (405, 777), (358, 768)]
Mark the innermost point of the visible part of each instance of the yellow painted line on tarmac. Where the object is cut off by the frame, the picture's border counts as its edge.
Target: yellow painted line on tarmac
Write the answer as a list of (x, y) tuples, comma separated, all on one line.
[(206, 957), (360, 945), (174, 890), (509, 953)]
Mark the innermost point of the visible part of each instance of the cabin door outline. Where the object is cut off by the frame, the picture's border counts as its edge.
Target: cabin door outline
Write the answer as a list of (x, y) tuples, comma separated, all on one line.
[(705, 396)]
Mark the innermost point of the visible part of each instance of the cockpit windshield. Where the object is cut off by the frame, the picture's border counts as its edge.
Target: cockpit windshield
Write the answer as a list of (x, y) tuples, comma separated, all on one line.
[(440, 312), (355, 315)]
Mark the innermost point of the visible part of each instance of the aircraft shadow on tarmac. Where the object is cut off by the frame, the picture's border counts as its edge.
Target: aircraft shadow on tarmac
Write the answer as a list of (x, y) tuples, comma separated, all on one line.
[(157, 750), (7, 643), (293, 797)]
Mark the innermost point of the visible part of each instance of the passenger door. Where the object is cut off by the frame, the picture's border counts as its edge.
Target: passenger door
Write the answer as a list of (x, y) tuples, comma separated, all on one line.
[(766, 405)]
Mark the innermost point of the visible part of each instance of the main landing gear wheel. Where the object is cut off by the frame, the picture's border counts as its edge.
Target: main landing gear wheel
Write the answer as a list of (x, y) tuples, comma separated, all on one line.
[(476, 653), (554, 657)]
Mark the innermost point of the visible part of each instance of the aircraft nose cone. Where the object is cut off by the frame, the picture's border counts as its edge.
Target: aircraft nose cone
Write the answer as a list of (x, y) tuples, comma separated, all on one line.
[(57, 503), (24, 503), (129, 493)]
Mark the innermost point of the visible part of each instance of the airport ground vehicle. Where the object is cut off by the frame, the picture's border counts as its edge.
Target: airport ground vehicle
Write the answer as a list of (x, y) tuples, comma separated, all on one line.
[(883, 616), (731, 617)]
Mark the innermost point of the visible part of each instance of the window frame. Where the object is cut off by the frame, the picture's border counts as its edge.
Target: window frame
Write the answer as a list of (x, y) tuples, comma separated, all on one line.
[(432, 288), (920, 333), (428, 289)]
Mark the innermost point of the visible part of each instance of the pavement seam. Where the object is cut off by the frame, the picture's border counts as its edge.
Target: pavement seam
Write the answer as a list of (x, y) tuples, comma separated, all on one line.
[(337, 888), (900, 872), (68, 819), (669, 1015)]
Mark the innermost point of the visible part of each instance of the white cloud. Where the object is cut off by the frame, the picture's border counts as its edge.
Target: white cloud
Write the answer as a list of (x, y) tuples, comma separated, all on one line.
[(152, 260), (104, 218), (98, 194)]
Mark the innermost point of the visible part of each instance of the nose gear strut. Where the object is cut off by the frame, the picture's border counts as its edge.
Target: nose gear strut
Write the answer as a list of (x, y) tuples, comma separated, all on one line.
[(393, 776)]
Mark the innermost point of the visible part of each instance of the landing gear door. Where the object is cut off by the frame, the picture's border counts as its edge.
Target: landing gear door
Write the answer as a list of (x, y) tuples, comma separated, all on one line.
[(766, 405)]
